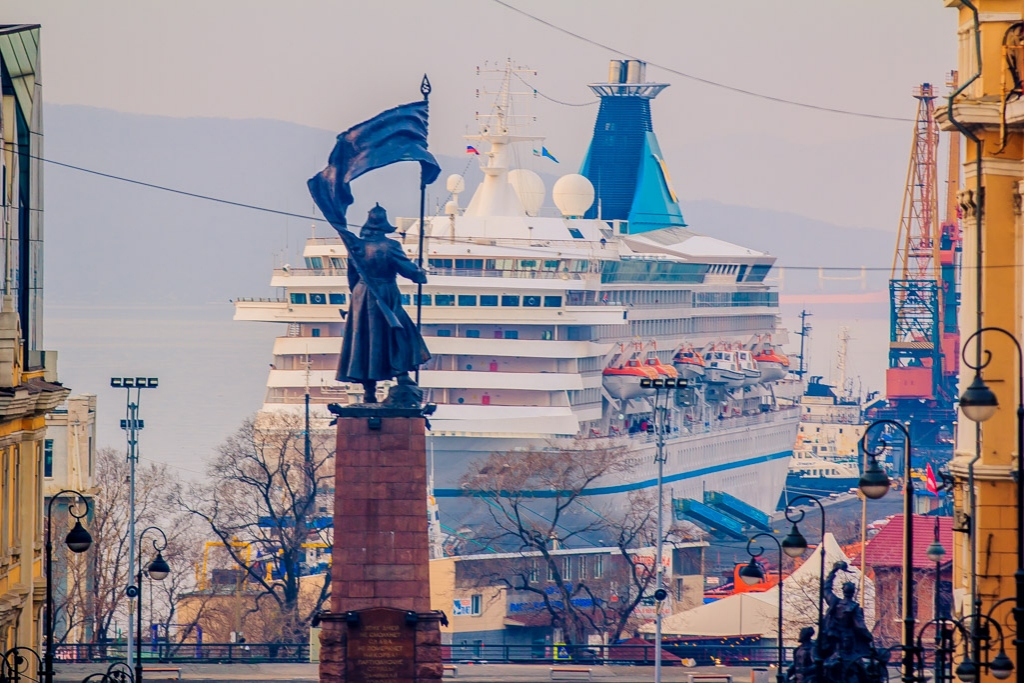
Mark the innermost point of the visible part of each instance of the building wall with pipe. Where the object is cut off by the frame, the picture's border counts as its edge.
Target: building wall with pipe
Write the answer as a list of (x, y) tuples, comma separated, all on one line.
[(991, 117)]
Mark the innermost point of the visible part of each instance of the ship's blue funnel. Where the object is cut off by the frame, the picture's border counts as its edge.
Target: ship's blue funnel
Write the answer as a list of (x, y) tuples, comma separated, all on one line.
[(624, 162)]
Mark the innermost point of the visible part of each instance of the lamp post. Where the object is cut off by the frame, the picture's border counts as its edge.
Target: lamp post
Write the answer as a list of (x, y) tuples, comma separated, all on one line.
[(751, 574), (795, 545), (659, 425), (936, 553), (874, 484), (967, 671), (978, 404), (158, 570), (131, 424), (78, 540)]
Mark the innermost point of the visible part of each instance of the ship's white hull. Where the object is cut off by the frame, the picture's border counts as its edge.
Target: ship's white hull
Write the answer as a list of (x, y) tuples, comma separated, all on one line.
[(747, 457)]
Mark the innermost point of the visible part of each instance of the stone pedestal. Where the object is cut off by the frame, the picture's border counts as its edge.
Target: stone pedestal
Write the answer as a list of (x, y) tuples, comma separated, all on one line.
[(381, 553)]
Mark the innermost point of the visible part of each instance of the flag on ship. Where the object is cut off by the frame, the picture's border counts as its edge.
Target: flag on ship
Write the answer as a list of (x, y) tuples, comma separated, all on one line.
[(398, 134), (930, 483), (470, 149), (545, 153)]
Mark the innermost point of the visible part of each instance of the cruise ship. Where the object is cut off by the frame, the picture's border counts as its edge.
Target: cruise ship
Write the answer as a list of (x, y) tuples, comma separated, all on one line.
[(542, 323)]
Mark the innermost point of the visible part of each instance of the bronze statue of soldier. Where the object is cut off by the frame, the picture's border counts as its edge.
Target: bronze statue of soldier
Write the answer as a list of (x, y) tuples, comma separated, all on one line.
[(846, 643), (381, 342)]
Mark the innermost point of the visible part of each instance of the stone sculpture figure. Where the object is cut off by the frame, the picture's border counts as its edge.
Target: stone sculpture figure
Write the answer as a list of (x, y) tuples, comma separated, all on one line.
[(381, 342), (846, 643), (803, 668)]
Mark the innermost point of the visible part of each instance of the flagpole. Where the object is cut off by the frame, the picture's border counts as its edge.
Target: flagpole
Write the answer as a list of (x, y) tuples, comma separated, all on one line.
[(425, 89)]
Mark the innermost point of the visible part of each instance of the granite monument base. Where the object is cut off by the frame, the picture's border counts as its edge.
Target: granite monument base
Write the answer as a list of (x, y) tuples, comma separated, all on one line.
[(380, 627)]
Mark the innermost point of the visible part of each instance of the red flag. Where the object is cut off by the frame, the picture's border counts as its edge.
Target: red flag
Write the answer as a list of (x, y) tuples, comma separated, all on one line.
[(930, 483)]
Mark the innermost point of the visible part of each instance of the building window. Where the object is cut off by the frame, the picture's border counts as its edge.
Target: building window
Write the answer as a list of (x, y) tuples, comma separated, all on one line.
[(298, 298), (531, 301), (509, 300), (511, 334), (444, 333), (567, 569), (551, 570), (338, 263), (316, 331), (425, 298), (467, 299), (581, 568), (318, 298), (338, 299), (476, 605), (552, 302), (314, 262), (488, 299), (473, 334), (598, 566), (533, 571), (48, 458), (444, 300)]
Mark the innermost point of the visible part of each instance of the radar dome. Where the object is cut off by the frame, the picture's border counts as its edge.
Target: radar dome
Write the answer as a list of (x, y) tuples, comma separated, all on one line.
[(456, 183), (573, 194), (529, 188)]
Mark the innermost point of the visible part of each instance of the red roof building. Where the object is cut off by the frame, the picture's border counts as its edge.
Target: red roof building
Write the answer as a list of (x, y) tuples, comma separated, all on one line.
[(884, 557)]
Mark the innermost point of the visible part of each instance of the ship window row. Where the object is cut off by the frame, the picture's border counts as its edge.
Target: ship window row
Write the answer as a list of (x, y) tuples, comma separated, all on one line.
[(317, 262), (322, 298), (713, 299), (652, 271), (648, 296), (678, 326), (511, 267), (485, 300)]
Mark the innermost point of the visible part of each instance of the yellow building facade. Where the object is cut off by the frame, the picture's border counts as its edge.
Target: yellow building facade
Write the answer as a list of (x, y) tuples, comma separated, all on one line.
[(989, 110), (28, 382)]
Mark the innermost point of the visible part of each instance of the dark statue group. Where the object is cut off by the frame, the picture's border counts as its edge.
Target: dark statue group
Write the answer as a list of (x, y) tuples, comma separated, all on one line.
[(844, 652)]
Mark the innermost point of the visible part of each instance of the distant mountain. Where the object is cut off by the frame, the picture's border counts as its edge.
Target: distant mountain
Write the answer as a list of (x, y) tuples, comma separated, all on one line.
[(111, 242)]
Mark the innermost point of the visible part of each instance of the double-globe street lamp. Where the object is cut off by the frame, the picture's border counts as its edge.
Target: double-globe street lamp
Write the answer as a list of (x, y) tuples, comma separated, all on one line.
[(794, 545), (937, 553), (979, 403), (874, 483), (751, 574), (158, 570), (78, 540)]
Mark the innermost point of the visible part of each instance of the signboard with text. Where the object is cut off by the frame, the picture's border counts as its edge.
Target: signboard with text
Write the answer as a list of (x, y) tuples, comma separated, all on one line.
[(382, 648)]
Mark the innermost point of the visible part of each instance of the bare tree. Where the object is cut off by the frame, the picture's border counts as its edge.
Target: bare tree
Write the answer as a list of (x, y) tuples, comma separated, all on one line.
[(268, 494), (520, 519), (97, 579)]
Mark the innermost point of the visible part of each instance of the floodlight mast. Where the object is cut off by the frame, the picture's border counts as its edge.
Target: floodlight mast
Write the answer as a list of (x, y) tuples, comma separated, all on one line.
[(132, 425)]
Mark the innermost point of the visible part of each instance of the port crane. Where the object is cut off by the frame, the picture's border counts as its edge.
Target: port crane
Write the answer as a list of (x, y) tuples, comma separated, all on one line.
[(924, 289)]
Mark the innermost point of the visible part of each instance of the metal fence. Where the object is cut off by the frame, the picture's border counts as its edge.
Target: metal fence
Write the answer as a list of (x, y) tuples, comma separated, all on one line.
[(187, 652)]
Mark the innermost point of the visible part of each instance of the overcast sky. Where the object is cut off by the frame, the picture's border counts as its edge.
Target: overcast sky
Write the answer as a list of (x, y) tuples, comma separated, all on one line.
[(330, 64)]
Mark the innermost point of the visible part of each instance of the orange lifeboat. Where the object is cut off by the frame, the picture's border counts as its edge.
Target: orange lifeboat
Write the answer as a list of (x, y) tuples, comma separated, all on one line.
[(622, 379), (653, 361), (688, 363), (773, 365)]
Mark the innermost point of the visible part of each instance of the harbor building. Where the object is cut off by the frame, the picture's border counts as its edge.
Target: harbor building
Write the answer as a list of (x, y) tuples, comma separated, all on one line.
[(28, 378), (987, 108)]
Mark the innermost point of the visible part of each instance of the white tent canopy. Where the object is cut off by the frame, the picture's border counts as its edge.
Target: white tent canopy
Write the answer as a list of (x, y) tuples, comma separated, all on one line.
[(757, 613)]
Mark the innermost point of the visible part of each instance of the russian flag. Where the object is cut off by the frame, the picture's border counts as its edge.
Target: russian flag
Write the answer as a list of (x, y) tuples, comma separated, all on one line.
[(470, 149)]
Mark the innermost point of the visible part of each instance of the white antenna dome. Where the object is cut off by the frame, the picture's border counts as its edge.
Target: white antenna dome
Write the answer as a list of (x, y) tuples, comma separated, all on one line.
[(573, 194), (456, 183), (451, 209), (529, 188)]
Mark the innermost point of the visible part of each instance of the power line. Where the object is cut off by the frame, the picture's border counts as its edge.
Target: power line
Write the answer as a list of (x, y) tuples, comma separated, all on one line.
[(705, 81), (184, 193), (552, 99)]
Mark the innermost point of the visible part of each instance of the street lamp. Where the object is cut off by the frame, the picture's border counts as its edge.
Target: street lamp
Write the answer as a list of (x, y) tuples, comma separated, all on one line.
[(158, 570), (131, 424), (78, 540), (968, 669), (795, 545), (873, 486), (936, 553), (751, 574), (979, 403), (659, 426)]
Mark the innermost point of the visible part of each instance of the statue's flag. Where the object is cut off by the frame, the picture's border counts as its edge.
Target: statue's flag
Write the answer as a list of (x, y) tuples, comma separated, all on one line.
[(398, 134), (929, 480)]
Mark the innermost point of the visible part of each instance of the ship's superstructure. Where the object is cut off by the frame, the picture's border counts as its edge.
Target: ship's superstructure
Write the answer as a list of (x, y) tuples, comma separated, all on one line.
[(541, 327)]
